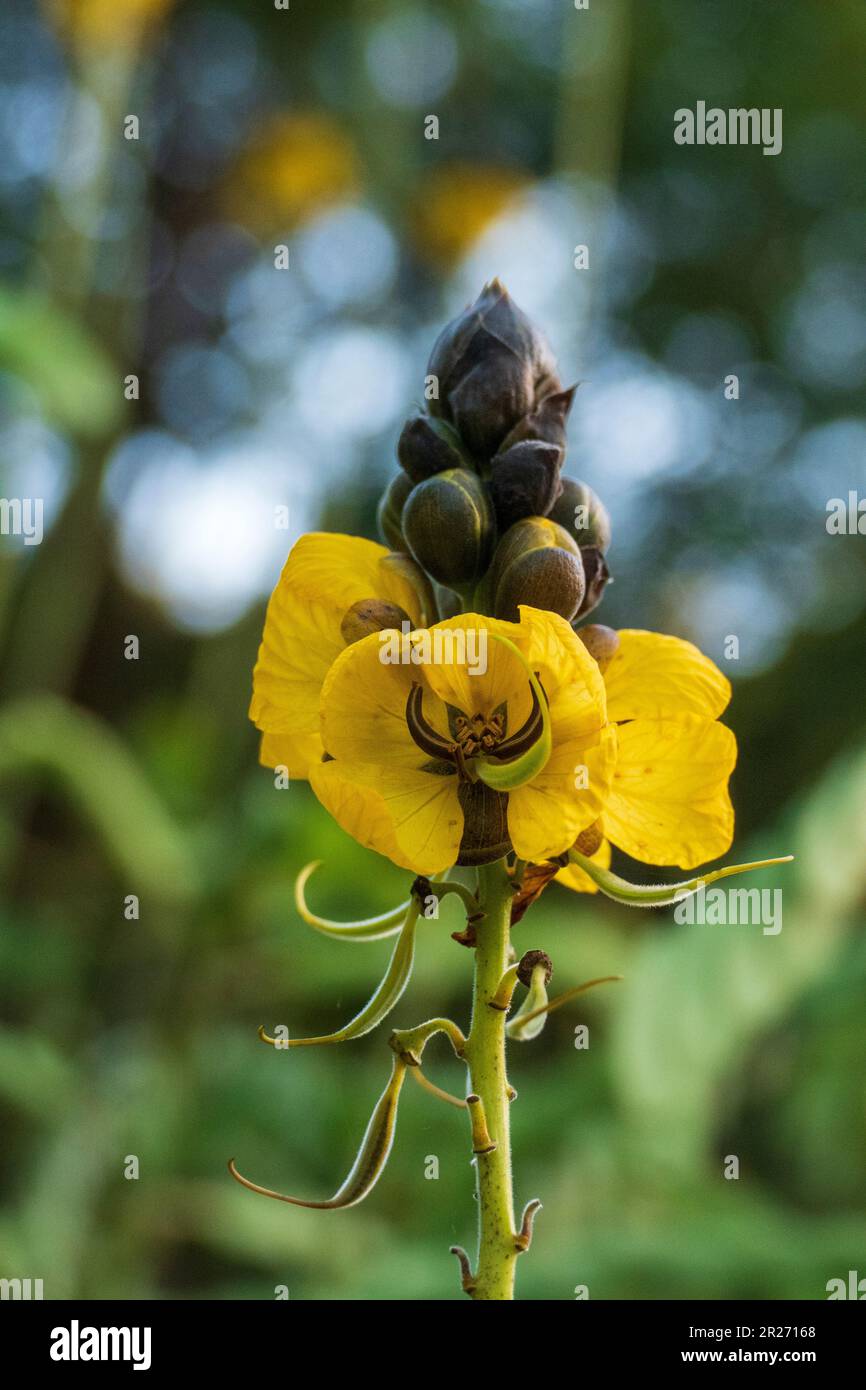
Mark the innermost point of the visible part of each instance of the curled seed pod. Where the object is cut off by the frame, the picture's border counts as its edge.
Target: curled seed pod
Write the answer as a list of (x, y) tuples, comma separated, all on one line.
[(448, 525), (528, 962), (531, 1017), (366, 929), (525, 481), (493, 368), (384, 998), (390, 511), (601, 642), (597, 577), (428, 446), (665, 894), (372, 1155), (371, 615), (546, 422), (547, 576), (583, 514)]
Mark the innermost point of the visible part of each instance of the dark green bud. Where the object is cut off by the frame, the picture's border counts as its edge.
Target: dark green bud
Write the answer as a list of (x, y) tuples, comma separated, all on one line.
[(390, 511), (525, 481), (493, 368), (371, 615), (448, 525), (546, 422), (583, 514), (448, 603), (428, 446), (538, 563), (597, 576)]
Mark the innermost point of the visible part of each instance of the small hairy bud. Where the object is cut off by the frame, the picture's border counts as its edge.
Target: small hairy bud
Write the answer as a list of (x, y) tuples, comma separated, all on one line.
[(427, 446), (371, 615), (528, 962), (601, 642), (537, 563), (589, 841), (546, 422), (448, 524), (390, 511), (583, 514), (597, 576), (525, 481)]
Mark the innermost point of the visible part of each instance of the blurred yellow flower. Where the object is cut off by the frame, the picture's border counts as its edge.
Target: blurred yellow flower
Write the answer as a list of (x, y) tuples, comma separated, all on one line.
[(456, 202), (89, 22), (294, 165)]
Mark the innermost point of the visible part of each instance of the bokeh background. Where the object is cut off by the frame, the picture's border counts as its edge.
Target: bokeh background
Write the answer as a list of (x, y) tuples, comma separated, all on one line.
[(262, 388)]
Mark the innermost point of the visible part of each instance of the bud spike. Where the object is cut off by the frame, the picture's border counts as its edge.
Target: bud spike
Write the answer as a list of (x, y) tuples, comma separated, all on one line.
[(372, 1155)]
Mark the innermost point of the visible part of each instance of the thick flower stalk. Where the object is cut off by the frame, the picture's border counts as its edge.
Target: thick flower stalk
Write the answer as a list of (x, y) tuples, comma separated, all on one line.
[(450, 707)]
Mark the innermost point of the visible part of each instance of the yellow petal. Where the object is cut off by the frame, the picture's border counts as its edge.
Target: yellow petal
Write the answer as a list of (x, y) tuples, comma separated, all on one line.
[(572, 876), (669, 801), (413, 818), (467, 670), (546, 816), (363, 705), (653, 676), (323, 576)]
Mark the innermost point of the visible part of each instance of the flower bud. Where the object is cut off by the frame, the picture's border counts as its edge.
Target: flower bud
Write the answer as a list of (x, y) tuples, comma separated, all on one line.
[(602, 643), (525, 481), (583, 514), (493, 367), (538, 563), (597, 576), (546, 422), (427, 446), (390, 510), (371, 615), (448, 525)]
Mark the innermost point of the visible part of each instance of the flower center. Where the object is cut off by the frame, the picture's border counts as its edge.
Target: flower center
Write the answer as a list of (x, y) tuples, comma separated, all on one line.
[(472, 735)]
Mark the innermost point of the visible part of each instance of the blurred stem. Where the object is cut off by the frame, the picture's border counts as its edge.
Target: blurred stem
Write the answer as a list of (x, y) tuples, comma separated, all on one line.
[(485, 1053)]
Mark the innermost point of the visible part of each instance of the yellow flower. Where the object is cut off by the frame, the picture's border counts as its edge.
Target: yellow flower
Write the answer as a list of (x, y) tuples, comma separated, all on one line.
[(296, 164), (669, 801), (400, 774), (105, 22), (322, 578), (458, 202)]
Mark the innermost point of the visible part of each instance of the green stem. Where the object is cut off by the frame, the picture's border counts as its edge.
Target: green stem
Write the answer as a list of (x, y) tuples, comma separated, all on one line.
[(485, 1054)]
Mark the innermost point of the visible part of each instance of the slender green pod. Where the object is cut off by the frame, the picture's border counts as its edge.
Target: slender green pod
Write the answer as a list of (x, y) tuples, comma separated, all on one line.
[(662, 894), (368, 929), (372, 1155), (382, 1001)]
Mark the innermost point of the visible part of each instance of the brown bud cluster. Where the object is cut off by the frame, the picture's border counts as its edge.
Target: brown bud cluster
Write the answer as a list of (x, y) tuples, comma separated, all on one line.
[(481, 502)]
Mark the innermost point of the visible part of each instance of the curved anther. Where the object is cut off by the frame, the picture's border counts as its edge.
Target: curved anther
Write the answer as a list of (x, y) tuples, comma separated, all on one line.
[(528, 733), (423, 733)]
